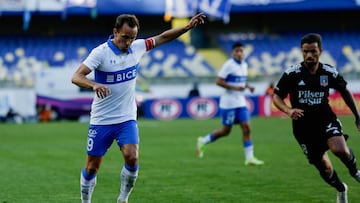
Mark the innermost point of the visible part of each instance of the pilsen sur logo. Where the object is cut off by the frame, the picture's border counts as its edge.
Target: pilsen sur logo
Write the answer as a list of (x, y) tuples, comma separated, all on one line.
[(310, 98)]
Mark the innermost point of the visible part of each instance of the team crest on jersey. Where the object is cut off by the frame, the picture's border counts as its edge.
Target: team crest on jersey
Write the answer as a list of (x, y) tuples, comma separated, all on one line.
[(324, 80)]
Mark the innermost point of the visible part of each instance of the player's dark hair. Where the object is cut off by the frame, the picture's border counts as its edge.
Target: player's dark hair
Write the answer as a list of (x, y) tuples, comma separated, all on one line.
[(129, 19), (311, 38), (237, 44)]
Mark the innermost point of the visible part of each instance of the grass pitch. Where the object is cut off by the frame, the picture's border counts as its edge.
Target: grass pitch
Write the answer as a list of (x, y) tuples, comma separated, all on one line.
[(42, 162)]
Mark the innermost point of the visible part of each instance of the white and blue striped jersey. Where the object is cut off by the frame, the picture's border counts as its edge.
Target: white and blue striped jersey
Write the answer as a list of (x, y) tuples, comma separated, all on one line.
[(234, 73), (118, 71)]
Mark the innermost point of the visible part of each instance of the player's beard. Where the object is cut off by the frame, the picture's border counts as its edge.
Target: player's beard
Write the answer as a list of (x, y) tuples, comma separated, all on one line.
[(310, 64)]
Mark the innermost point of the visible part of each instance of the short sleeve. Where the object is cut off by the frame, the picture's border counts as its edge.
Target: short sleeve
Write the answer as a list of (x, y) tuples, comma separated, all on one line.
[(282, 87)]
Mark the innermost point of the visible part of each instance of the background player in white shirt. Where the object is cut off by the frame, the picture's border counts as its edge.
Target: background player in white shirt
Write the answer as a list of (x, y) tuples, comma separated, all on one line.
[(233, 106), (113, 112)]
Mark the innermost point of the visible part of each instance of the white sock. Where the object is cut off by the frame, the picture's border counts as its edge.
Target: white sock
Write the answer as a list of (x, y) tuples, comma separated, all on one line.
[(127, 179), (86, 188), (206, 139), (249, 152)]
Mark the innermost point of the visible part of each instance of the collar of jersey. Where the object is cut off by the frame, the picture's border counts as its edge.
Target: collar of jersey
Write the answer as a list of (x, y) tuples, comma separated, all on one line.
[(238, 62), (114, 48)]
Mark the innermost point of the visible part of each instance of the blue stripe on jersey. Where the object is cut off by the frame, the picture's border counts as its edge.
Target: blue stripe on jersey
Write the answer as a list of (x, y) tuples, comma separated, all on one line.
[(116, 77), (235, 78)]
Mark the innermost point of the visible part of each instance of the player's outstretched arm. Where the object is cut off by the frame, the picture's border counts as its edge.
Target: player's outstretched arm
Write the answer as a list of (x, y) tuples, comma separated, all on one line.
[(174, 33)]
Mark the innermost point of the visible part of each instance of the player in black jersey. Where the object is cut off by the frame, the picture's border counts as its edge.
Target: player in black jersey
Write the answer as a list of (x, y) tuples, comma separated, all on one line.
[(315, 126)]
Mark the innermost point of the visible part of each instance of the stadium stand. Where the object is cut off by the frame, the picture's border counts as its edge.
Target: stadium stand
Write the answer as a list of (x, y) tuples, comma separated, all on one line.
[(21, 57), (269, 54)]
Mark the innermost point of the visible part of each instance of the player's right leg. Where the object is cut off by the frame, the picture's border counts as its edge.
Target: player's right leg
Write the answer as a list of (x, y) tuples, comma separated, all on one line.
[(209, 138), (200, 145), (98, 142), (88, 178), (227, 119), (87, 185)]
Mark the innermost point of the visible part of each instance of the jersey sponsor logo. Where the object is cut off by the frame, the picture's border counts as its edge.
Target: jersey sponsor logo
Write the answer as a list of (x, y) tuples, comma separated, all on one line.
[(301, 83), (310, 98), (324, 80), (202, 108), (117, 76), (166, 109), (92, 133)]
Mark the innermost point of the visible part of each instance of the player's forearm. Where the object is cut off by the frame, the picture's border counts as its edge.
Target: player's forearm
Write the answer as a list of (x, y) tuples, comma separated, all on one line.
[(280, 104), (176, 32), (171, 34), (82, 81), (221, 82)]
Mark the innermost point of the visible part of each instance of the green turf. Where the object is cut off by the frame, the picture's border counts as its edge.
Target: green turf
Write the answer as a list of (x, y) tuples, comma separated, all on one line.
[(42, 162)]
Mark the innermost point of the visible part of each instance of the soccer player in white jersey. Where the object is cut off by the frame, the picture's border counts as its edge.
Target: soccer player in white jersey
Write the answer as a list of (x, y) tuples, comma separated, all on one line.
[(113, 111), (233, 106)]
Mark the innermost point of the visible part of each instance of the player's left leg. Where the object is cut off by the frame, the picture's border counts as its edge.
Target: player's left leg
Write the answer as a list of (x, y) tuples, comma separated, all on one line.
[(329, 175), (243, 117), (128, 141), (337, 145), (129, 172), (250, 158)]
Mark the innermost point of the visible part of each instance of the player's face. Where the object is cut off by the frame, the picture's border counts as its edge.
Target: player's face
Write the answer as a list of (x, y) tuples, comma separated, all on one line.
[(311, 54), (238, 53), (124, 36)]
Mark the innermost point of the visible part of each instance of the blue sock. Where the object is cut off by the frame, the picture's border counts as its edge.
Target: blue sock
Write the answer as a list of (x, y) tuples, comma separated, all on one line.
[(86, 175), (248, 143), (132, 168), (212, 138)]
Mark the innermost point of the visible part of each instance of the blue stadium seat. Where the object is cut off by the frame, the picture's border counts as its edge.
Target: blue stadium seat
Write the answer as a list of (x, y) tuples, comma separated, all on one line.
[(273, 53), (267, 54)]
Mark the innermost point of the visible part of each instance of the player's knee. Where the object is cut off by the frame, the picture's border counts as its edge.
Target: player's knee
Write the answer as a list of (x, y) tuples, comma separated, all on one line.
[(131, 159), (340, 152)]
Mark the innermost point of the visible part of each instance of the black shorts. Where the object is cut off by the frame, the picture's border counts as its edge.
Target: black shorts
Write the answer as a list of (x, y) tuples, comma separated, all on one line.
[(312, 135)]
